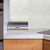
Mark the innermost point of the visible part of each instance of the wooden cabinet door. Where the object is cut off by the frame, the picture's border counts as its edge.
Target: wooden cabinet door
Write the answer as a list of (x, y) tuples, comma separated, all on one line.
[(23, 44), (46, 44), (37, 44)]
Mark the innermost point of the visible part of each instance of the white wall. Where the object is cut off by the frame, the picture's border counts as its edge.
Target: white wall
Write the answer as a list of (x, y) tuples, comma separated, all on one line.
[(40, 15), (19, 10)]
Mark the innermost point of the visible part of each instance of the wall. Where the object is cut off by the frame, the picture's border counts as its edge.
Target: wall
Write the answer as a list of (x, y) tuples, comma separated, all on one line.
[(38, 16), (37, 12), (19, 10)]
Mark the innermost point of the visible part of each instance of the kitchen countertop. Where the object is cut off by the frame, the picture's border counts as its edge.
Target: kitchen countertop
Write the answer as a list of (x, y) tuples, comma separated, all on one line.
[(31, 34), (47, 37)]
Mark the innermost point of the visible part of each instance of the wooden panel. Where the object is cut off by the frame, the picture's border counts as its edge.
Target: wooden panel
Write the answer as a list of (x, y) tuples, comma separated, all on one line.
[(23, 44), (46, 44), (17, 30)]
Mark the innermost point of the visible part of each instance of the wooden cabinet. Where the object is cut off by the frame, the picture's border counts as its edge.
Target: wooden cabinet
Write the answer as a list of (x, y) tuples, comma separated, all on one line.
[(46, 44), (23, 44)]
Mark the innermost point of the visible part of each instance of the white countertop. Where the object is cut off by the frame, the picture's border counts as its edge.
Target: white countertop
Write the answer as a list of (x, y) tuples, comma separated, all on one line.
[(31, 34), (23, 35), (47, 37)]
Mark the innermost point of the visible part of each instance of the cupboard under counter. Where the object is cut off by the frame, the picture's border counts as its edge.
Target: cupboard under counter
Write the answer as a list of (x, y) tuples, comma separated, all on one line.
[(23, 44)]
